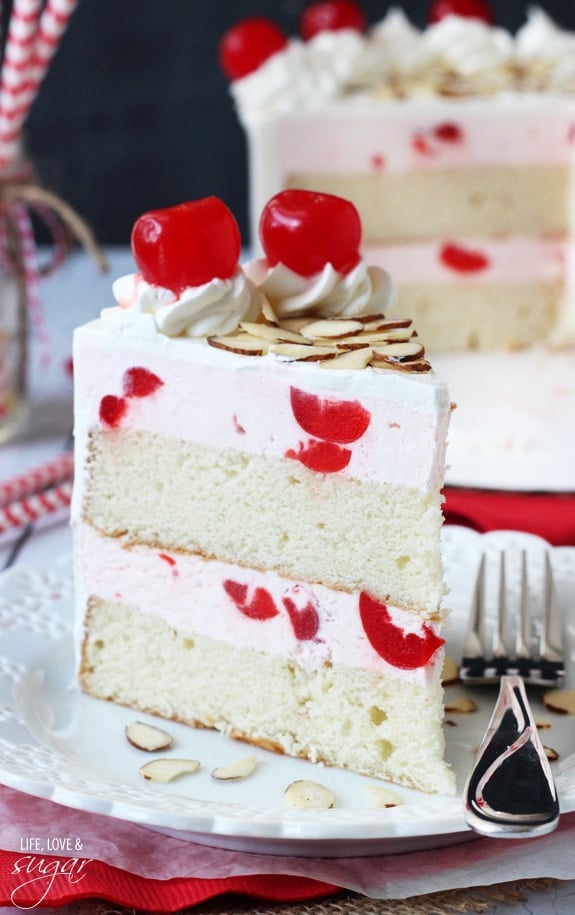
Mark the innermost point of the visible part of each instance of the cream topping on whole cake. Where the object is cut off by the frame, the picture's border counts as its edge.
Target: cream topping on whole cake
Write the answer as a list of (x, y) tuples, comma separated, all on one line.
[(454, 56)]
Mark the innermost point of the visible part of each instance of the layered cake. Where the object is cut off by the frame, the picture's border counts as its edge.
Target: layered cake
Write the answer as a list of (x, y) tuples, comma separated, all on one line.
[(456, 143), (257, 508)]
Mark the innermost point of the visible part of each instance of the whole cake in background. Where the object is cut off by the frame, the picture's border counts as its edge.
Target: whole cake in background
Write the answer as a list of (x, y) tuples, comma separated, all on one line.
[(257, 505), (456, 143)]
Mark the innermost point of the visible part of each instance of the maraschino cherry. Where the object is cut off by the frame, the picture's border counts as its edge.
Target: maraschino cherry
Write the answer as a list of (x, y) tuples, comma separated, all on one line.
[(468, 9), (331, 16), (305, 230), (187, 245), (248, 44)]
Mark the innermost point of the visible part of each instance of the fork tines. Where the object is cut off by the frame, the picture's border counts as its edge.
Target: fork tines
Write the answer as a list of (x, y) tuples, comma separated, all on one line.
[(519, 643)]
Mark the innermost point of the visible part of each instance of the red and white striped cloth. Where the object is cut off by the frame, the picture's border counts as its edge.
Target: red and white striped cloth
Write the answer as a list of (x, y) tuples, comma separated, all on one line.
[(40, 496)]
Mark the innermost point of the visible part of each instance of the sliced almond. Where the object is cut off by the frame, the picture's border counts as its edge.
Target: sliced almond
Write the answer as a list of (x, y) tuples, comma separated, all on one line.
[(398, 352), (383, 797), (551, 754), (375, 336), (461, 706), (244, 345), (240, 768), (303, 353), (542, 724), (268, 313), (307, 794), (352, 359), (450, 671), (560, 700), (331, 328), (381, 365), (147, 737), (167, 769), (380, 322), (271, 333), (295, 324)]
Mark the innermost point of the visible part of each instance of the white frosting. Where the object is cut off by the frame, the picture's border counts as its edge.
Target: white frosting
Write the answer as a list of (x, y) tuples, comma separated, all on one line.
[(216, 307), (395, 47), (467, 47), (301, 75), (484, 58), (363, 290), (541, 43)]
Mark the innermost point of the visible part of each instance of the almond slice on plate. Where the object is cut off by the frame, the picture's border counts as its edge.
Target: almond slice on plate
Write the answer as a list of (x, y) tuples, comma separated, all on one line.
[(245, 345), (331, 328), (560, 700), (450, 671), (147, 737), (306, 794), (462, 706), (352, 359), (167, 769), (240, 768), (383, 797)]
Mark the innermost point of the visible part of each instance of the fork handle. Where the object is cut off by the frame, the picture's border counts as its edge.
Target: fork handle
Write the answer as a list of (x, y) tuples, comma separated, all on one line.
[(510, 792)]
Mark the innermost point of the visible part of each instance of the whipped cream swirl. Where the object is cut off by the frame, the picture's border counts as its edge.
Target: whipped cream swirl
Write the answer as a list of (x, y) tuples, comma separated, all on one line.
[(302, 75), (457, 55), (329, 294), (468, 48), (216, 307)]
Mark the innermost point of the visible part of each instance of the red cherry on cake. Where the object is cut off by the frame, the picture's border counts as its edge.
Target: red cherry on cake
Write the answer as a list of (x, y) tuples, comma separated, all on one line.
[(260, 606), (305, 230), (331, 16), (304, 620), (322, 457), (187, 245), (468, 9), (341, 421), (112, 410), (248, 44), (463, 260), (140, 382), (403, 650)]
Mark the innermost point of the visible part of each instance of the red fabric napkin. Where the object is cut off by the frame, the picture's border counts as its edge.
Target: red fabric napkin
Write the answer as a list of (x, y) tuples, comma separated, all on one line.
[(42, 881), (549, 515)]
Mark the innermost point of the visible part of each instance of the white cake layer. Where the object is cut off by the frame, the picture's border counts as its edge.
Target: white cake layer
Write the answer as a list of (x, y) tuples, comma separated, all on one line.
[(310, 625), (379, 725), (246, 403)]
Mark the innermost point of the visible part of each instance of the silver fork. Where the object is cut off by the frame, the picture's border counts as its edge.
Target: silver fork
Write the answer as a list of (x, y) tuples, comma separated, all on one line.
[(536, 657), (511, 792)]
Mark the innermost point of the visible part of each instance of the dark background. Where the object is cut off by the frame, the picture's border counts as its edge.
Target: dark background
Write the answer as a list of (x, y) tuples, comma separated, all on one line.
[(135, 114)]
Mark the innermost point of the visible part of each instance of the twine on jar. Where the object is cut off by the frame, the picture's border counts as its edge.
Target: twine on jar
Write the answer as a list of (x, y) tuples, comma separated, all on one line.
[(21, 197)]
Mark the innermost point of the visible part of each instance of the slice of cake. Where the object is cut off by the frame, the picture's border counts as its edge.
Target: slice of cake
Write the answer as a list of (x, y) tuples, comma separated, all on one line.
[(257, 506), (455, 144)]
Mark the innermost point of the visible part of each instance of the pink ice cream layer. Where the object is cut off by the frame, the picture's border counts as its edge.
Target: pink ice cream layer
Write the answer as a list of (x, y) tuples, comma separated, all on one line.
[(261, 405), (249, 609)]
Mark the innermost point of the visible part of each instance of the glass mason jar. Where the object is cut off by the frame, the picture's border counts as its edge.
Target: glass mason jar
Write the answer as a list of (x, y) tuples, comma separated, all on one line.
[(13, 352)]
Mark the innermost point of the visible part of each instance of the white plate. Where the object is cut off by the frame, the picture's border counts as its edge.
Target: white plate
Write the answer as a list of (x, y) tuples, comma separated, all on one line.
[(59, 744)]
